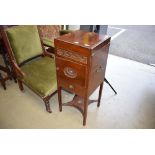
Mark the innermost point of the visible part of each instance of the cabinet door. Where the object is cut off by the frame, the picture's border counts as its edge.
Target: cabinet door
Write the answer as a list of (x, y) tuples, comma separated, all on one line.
[(71, 72)]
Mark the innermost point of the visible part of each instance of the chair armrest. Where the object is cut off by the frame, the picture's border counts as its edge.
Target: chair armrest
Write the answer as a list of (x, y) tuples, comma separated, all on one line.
[(48, 54), (18, 70)]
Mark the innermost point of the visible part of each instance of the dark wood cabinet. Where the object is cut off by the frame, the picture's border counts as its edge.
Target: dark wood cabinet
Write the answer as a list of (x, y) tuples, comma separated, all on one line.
[(81, 59)]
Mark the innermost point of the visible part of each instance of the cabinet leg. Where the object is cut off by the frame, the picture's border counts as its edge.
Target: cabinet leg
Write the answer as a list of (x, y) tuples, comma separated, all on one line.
[(85, 110), (59, 99), (100, 94)]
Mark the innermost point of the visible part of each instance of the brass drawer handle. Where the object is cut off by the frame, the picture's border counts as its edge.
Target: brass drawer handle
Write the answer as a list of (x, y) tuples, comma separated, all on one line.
[(99, 69)]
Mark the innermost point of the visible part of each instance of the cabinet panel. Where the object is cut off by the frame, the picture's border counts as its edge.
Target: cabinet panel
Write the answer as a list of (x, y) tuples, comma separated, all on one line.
[(99, 56), (98, 68), (71, 55), (72, 72)]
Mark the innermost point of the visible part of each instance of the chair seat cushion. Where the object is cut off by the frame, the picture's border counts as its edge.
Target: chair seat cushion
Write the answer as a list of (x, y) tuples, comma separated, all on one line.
[(48, 42), (40, 76)]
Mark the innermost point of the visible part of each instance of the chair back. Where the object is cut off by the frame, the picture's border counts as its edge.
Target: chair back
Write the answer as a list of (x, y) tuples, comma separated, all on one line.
[(24, 41), (49, 31)]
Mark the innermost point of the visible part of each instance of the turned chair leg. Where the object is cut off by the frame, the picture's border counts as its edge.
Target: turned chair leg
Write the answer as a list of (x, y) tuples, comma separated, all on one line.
[(4, 86), (20, 84), (47, 105), (2, 82), (100, 94)]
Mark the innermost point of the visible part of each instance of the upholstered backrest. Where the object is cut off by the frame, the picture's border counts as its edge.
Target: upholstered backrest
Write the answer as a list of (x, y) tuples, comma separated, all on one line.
[(25, 42), (49, 31)]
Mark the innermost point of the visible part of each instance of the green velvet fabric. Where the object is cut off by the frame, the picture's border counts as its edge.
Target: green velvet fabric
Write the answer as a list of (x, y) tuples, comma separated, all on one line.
[(48, 42), (24, 41), (40, 75)]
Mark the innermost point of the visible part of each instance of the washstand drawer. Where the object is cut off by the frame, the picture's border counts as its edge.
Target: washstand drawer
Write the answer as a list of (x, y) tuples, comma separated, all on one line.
[(72, 72), (71, 87)]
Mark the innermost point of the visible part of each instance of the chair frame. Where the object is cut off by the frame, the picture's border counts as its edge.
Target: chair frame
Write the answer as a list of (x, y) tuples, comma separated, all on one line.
[(18, 71)]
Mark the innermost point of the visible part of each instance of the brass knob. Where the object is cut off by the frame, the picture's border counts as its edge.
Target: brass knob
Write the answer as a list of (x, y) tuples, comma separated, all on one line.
[(101, 68), (92, 54), (80, 101), (71, 86), (57, 68), (97, 70)]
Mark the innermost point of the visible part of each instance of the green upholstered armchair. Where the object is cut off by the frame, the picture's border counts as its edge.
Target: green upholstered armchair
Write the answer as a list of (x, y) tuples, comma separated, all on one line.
[(49, 32), (33, 65)]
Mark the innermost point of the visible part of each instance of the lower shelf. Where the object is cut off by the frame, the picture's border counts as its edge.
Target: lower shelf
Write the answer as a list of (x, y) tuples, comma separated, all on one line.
[(78, 103)]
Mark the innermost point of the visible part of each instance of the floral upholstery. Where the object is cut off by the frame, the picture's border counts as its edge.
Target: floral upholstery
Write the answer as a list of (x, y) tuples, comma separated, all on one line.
[(48, 33)]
